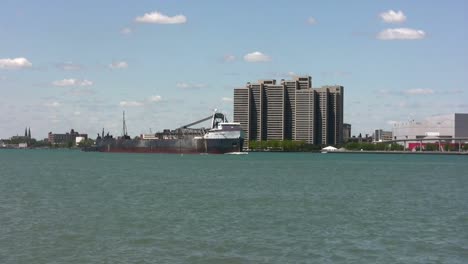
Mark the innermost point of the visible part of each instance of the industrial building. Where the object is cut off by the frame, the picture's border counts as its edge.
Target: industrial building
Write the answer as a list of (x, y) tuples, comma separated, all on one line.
[(290, 110), (66, 138)]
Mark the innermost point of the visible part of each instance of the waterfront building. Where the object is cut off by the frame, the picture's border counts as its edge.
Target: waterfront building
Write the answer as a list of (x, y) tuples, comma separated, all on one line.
[(381, 135), (346, 132), (66, 138), (438, 127), (291, 110), (304, 117), (242, 110), (330, 115)]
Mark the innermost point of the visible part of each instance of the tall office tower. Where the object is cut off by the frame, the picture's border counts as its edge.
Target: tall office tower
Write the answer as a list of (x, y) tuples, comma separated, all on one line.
[(290, 88), (330, 115), (346, 132), (305, 116), (241, 111), (336, 110), (274, 112), (304, 82), (291, 110), (322, 116), (255, 105)]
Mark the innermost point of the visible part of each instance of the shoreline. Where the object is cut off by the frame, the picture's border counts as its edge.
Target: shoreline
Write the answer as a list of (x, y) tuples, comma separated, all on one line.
[(396, 152), (279, 151)]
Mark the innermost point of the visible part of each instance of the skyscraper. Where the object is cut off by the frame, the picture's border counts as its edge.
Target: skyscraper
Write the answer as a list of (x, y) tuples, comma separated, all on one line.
[(346, 132), (330, 119), (292, 110)]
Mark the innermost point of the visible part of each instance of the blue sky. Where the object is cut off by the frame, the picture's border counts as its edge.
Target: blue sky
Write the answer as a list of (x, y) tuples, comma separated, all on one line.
[(78, 64)]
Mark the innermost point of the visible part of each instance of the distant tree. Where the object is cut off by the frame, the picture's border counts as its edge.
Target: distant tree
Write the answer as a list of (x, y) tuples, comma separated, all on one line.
[(395, 146), (301, 145), (449, 147), (39, 143), (253, 144), (465, 147), (274, 144), (70, 144), (263, 145), (380, 146), (86, 143), (431, 147)]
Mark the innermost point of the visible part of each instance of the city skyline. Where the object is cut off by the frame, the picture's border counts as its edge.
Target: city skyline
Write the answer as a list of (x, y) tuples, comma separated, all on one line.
[(78, 65)]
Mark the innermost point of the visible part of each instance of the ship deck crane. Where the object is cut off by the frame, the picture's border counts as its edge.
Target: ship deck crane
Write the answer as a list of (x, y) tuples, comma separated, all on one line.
[(216, 117), (197, 122)]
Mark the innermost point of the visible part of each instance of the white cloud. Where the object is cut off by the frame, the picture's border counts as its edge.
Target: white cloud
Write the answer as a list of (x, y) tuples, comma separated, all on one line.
[(311, 21), (292, 74), (455, 91), (118, 65), (77, 113), (257, 56), (80, 91), (85, 83), (69, 66), (130, 103), (392, 122), (401, 34), (229, 58), (126, 31), (159, 18), (283, 75), (53, 104), (13, 64), (226, 99), (383, 92), (418, 91), (185, 85), (72, 82), (393, 17), (155, 98)]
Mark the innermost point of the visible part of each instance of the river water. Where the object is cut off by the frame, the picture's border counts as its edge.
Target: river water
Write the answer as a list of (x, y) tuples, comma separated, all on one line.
[(63, 206)]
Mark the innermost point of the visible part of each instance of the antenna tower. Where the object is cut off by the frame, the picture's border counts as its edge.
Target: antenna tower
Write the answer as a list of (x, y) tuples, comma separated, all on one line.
[(124, 126)]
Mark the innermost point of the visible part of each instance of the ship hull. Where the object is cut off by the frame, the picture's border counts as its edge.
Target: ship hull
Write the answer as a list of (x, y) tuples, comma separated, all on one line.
[(174, 146)]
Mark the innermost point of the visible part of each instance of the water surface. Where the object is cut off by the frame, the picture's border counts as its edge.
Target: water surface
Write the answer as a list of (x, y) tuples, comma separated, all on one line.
[(61, 206)]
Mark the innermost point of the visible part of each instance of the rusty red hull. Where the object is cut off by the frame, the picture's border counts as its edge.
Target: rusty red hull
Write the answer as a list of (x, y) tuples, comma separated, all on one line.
[(172, 146)]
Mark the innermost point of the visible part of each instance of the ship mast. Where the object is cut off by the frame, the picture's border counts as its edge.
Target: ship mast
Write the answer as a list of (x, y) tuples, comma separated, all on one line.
[(124, 126)]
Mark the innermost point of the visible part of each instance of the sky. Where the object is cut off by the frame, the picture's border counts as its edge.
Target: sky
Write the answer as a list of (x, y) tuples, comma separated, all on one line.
[(80, 64)]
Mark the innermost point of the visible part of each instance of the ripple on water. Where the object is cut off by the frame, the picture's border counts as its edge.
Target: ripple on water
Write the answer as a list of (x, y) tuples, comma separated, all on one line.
[(74, 207)]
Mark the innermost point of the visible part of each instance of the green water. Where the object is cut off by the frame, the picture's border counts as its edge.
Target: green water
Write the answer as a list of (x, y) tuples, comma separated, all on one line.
[(59, 206)]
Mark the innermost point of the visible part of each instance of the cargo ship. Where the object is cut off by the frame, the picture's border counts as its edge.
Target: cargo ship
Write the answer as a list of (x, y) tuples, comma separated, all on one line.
[(222, 137)]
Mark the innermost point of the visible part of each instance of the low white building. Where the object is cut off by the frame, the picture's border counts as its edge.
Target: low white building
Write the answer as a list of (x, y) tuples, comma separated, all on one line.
[(444, 126), (79, 139)]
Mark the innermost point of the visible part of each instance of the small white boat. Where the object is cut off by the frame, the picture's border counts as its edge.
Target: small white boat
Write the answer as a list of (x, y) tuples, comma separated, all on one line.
[(236, 153)]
